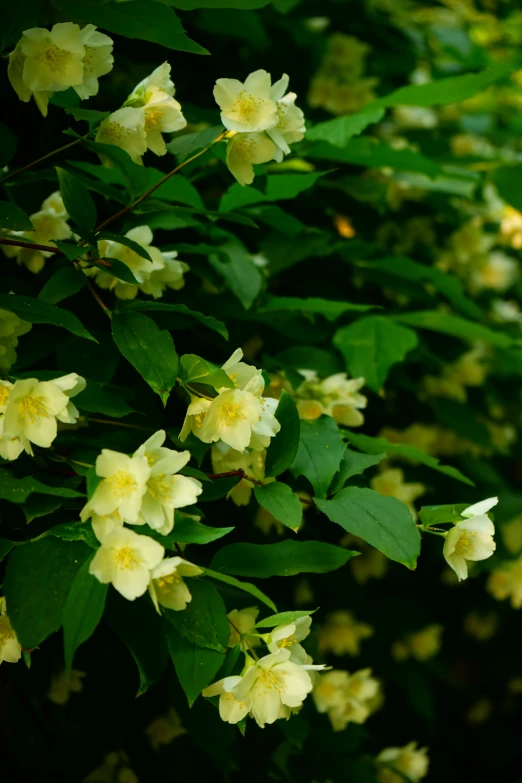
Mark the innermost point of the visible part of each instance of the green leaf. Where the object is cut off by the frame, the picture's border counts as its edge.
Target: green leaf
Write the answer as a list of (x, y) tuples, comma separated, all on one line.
[(247, 5), (116, 268), (73, 251), (91, 116), (507, 181), (195, 666), (283, 447), (214, 490), (150, 350), (204, 621), (142, 631), (320, 450), (447, 284), (190, 531), (40, 506), (37, 312), (452, 90), (246, 587), (378, 445), (281, 502), (352, 464), (17, 490), (77, 201), (123, 240), (283, 618), (384, 522), (177, 188), (16, 18), (5, 547), (239, 273), (76, 531), (194, 369), (278, 187), (8, 145), (372, 153), (371, 346), (286, 558), (447, 323), (189, 143), (96, 399), (331, 309), (37, 581), (341, 129), (14, 218), (136, 19), (143, 305), (136, 177), (66, 282), (439, 515), (82, 611)]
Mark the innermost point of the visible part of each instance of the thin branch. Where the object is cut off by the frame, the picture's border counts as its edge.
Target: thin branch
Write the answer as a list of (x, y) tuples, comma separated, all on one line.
[(30, 246), (120, 424), (44, 157), (98, 298), (164, 179)]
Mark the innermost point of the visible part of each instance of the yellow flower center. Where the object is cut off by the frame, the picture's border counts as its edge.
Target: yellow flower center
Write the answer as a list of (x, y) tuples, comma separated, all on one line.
[(153, 120), (126, 558), (6, 633), (166, 582), (53, 57), (159, 487), (4, 395), (464, 545), (32, 408), (288, 641), (269, 680), (199, 418), (122, 483), (231, 412), (246, 106)]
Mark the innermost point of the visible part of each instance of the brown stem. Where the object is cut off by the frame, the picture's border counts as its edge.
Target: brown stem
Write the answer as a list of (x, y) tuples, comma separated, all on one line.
[(120, 424), (179, 550), (44, 157), (98, 298), (30, 245), (147, 193)]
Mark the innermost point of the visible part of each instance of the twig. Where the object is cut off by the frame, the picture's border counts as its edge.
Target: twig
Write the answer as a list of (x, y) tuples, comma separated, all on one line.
[(31, 246), (44, 157), (120, 424), (148, 192), (98, 299), (179, 550)]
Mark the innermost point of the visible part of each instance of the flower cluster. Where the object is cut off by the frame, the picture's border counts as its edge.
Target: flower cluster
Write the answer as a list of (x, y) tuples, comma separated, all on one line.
[(262, 120), (347, 698), (398, 764), (341, 634), (142, 489), (390, 482), (337, 396), (11, 328), (273, 686), (149, 111), (471, 539), (30, 411), (239, 418), (225, 459), (506, 582), (10, 648), (49, 61), (153, 277), (50, 223), (421, 645)]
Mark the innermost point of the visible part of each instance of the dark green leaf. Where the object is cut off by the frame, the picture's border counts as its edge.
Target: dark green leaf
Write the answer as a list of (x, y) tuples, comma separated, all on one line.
[(204, 621), (447, 323), (189, 143), (279, 500), (507, 181), (320, 450), (116, 268), (40, 506), (214, 490), (123, 240), (37, 312), (239, 273), (142, 631), (340, 130), (91, 116), (194, 369), (139, 19), (5, 547), (331, 309), (371, 346), (247, 5), (190, 531), (37, 581), (76, 531), (82, 611), (96, 399), (278, 187), (384, 522), (352, 464), (246, 587), (136, 177), (73, 251), (370, 152), (15, 18), (177, 188), (150, 350), (283, 618), (283, 447), (14, 218), (144, 305), (17, 490), (438, 515), (77, 201), (195, 666), (66, 282), (284, 559)]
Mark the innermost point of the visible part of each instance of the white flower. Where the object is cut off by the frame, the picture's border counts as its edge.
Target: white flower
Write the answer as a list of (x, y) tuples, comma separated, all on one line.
[(266, 426), (162, 115), (159, 79), (471, 539), (123, 486), (49, 223), (165, 491), (246, 107), (11, 328), (337, 396), (167, 587), (102, 525), (54, 59), (126, 560), (270, 685), (10, 648), (243, 375), (290, 125), (246, 149), (231, 417), (231, 709), (251, 462), (140, 267), (124, 128), (15, 71), (498, 273), (33, 408), (194, 418), (170, 276), (410, 762), (97, 61), (347, 698), (241, 622), (287, 637)]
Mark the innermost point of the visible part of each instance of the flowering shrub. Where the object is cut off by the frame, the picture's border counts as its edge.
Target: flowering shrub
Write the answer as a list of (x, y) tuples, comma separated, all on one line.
[(259, 399)]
